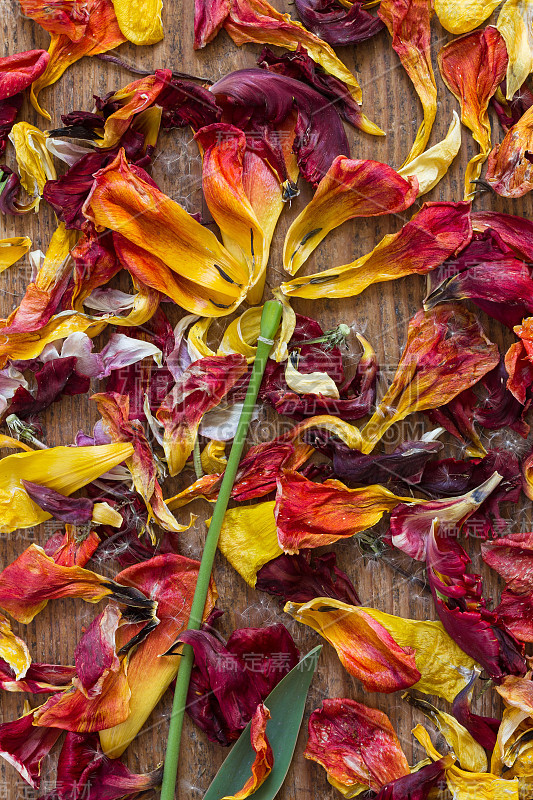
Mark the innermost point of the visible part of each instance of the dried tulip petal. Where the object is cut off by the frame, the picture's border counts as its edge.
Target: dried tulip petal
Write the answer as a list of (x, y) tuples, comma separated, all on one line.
[(299, 578), (70, 549), (95, 655), (483, 729), (512, 558), (114, 409), (13, 650), (410, 526), (83, 768), (18, 71), (364, 646), (35, 163), (437, 232), (64, 469), (169, 580), (408, 22), (312, 514), (337, 24), (355, 744), (509, 165), (39, 679), (201, 388), (264, 757), (516, 613), (419, 784), (24, 746), (58, 16), (185, 261), (515, 25), (140, 22), (462, 610), (29, 582), (101, 34), (11, 250), (8, 114), (465, 17), (472, 68), (446, 353), (351, 188), (432, 165), (443, 666)]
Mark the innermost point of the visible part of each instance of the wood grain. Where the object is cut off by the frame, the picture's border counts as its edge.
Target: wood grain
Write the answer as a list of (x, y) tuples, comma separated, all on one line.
[(381, 313)]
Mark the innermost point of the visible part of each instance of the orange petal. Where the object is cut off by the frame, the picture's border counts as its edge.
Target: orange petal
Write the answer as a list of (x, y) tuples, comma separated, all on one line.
[(408, 22), (509, 170), (472, 68), (101, 34), (365, 648), (264, 757)]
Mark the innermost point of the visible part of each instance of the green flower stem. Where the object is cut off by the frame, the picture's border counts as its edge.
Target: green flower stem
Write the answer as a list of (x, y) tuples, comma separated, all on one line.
[(270, 320)]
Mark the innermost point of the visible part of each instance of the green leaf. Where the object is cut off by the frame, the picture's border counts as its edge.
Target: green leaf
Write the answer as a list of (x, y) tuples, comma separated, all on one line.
[(286, 703)]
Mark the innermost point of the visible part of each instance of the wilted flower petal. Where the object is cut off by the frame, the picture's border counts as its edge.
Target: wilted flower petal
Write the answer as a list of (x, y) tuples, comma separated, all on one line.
[(264, 757), (201, 388), (514, 24), (300, 578), (351, 188), (18, 71), (509, 168), (472, 68), (140, 22), (24, 746), (101, 34), (34, 161), (364, 646), (314, 514), (410, 525), (483, 729), (58, 16), (13, 650), (464, 17), (434, 234), (11, 250), (408, 22), (432, 165), (337, 24), (356, 745)]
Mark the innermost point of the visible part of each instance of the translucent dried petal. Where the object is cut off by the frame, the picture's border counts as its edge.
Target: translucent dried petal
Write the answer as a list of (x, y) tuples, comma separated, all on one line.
[(13, 650), (509, 169), (432, 165), (515, 23), (35, 163)]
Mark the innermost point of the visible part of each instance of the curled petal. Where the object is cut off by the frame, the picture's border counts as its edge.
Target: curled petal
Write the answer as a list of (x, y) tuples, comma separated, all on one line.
[(83, 768), (95, 653), (13, 650), (483, 729), (472, 68), (437, 232), (351, 188), (514, 24), (35, 163), (509, 166), (63, 469), (101, 34), (71, 550), (200, 389), (183, 255), (18, 71), (418, 785), (23, 745), (39, 679), (446, 353), (264, 757), (512, 558), (300, 578), (432, 165), (364, 646), (8, 113), (337, 24), (11, 250), (114, 409), (169, 581), (356, 745), (58, 16), (465, 17), (312, 514), (408, 22), (410, 526), (140, 22)]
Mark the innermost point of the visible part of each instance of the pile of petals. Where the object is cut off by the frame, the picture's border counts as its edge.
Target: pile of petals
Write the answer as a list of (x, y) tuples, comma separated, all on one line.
[(177, 298)]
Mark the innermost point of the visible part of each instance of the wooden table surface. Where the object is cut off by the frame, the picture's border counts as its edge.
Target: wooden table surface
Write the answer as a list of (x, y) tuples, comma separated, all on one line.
[(381, 313)]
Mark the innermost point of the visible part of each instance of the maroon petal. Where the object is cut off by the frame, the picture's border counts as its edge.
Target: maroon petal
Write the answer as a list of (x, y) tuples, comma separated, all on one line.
[(95, 654), (74, 510), (483, 729), (23, 745), (301, 578), (8, 113), (39, 679), (337, 24), (55, 379)]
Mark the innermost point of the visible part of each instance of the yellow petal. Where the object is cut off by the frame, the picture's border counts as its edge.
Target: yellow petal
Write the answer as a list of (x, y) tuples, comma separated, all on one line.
[(469, 753), (470, 785), (197, 339), (13, 249), (140, 20), (35, 163), (349, 434), (13, 650), (249, 539), (241, 335), (13, 444), (311, 382), (64, 469), (515, 23), (444, 667), (432, 165), (104, 514), (465, 15), (213, 457)]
